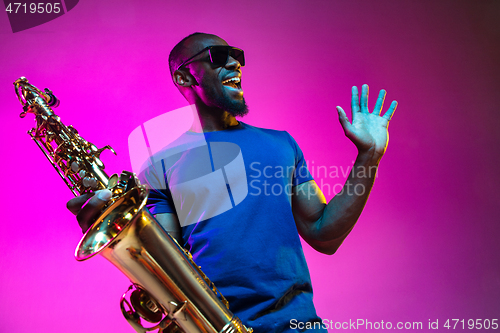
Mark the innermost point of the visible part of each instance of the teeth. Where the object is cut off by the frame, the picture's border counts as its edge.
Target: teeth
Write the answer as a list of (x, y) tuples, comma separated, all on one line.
[(234, 80)]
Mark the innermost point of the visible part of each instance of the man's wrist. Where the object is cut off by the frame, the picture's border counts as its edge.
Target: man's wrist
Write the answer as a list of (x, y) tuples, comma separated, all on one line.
[(368, 158)]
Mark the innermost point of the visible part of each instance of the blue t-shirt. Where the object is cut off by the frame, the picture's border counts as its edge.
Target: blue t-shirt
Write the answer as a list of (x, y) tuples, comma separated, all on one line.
[(231, 190)]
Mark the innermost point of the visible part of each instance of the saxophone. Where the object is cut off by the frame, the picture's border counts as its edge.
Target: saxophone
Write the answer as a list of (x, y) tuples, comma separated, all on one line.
[(169, 291)]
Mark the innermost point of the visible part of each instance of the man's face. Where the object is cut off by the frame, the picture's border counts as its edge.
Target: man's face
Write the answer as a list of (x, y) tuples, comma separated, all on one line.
[(215, 87)]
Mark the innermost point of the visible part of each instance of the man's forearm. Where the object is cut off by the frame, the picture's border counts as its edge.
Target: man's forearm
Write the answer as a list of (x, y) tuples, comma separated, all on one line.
[(325, 225), (342, 212)]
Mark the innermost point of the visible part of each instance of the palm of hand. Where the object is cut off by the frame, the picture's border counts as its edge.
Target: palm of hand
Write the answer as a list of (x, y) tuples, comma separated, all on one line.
[(368, 131)]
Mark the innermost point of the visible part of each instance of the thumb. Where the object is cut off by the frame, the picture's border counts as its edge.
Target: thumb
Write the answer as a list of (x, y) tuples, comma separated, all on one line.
[(344, 121)]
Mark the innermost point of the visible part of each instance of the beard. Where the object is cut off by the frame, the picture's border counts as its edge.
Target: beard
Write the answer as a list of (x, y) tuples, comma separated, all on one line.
[(237, 108)]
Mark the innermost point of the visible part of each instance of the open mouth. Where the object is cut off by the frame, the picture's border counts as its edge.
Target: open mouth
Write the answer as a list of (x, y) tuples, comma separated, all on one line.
[(234, 82)]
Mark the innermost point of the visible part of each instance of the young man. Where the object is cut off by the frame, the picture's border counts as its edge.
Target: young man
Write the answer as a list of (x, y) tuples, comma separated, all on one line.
[(247, 241)]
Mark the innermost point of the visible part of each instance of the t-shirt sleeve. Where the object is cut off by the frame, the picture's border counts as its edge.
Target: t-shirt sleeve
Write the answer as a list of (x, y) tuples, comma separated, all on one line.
[(160, 202), (159, 199), (301, 173)]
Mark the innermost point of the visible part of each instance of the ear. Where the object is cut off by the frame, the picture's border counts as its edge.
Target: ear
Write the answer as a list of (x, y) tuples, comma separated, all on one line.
[(183, 79)]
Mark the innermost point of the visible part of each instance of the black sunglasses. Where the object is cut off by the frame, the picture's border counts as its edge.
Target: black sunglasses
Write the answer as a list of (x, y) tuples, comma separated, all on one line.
[(219, 55)]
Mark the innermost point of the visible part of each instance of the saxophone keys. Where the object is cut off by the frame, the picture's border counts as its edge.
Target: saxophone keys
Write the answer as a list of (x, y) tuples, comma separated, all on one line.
[(89, 182), (75, 166), (113, 180)]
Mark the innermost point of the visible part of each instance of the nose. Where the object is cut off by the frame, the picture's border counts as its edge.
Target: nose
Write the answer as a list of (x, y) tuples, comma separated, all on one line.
[(232, 64)]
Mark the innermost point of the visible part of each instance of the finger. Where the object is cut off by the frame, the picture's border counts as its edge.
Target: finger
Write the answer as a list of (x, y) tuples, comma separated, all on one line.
[(388, 115), (344, 121), (380, 102), (354, 100), (75, 204), (92, 209), (364, 98)]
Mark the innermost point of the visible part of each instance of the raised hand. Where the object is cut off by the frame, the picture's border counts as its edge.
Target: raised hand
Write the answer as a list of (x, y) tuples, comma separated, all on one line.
[(368, 131)]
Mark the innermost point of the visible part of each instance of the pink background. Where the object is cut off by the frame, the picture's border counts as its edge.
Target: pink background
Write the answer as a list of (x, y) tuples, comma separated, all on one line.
[(427, 244)]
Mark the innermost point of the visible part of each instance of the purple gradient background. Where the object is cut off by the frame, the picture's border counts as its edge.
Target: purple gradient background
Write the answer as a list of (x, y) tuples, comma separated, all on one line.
[(427, 244)]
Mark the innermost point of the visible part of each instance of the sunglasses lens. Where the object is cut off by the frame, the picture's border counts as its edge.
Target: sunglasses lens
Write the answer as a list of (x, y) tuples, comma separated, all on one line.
[(238, 55), (220, 55)]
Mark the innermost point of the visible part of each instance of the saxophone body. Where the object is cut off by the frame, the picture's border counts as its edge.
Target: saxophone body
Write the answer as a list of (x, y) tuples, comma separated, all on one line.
[(169, 291)]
